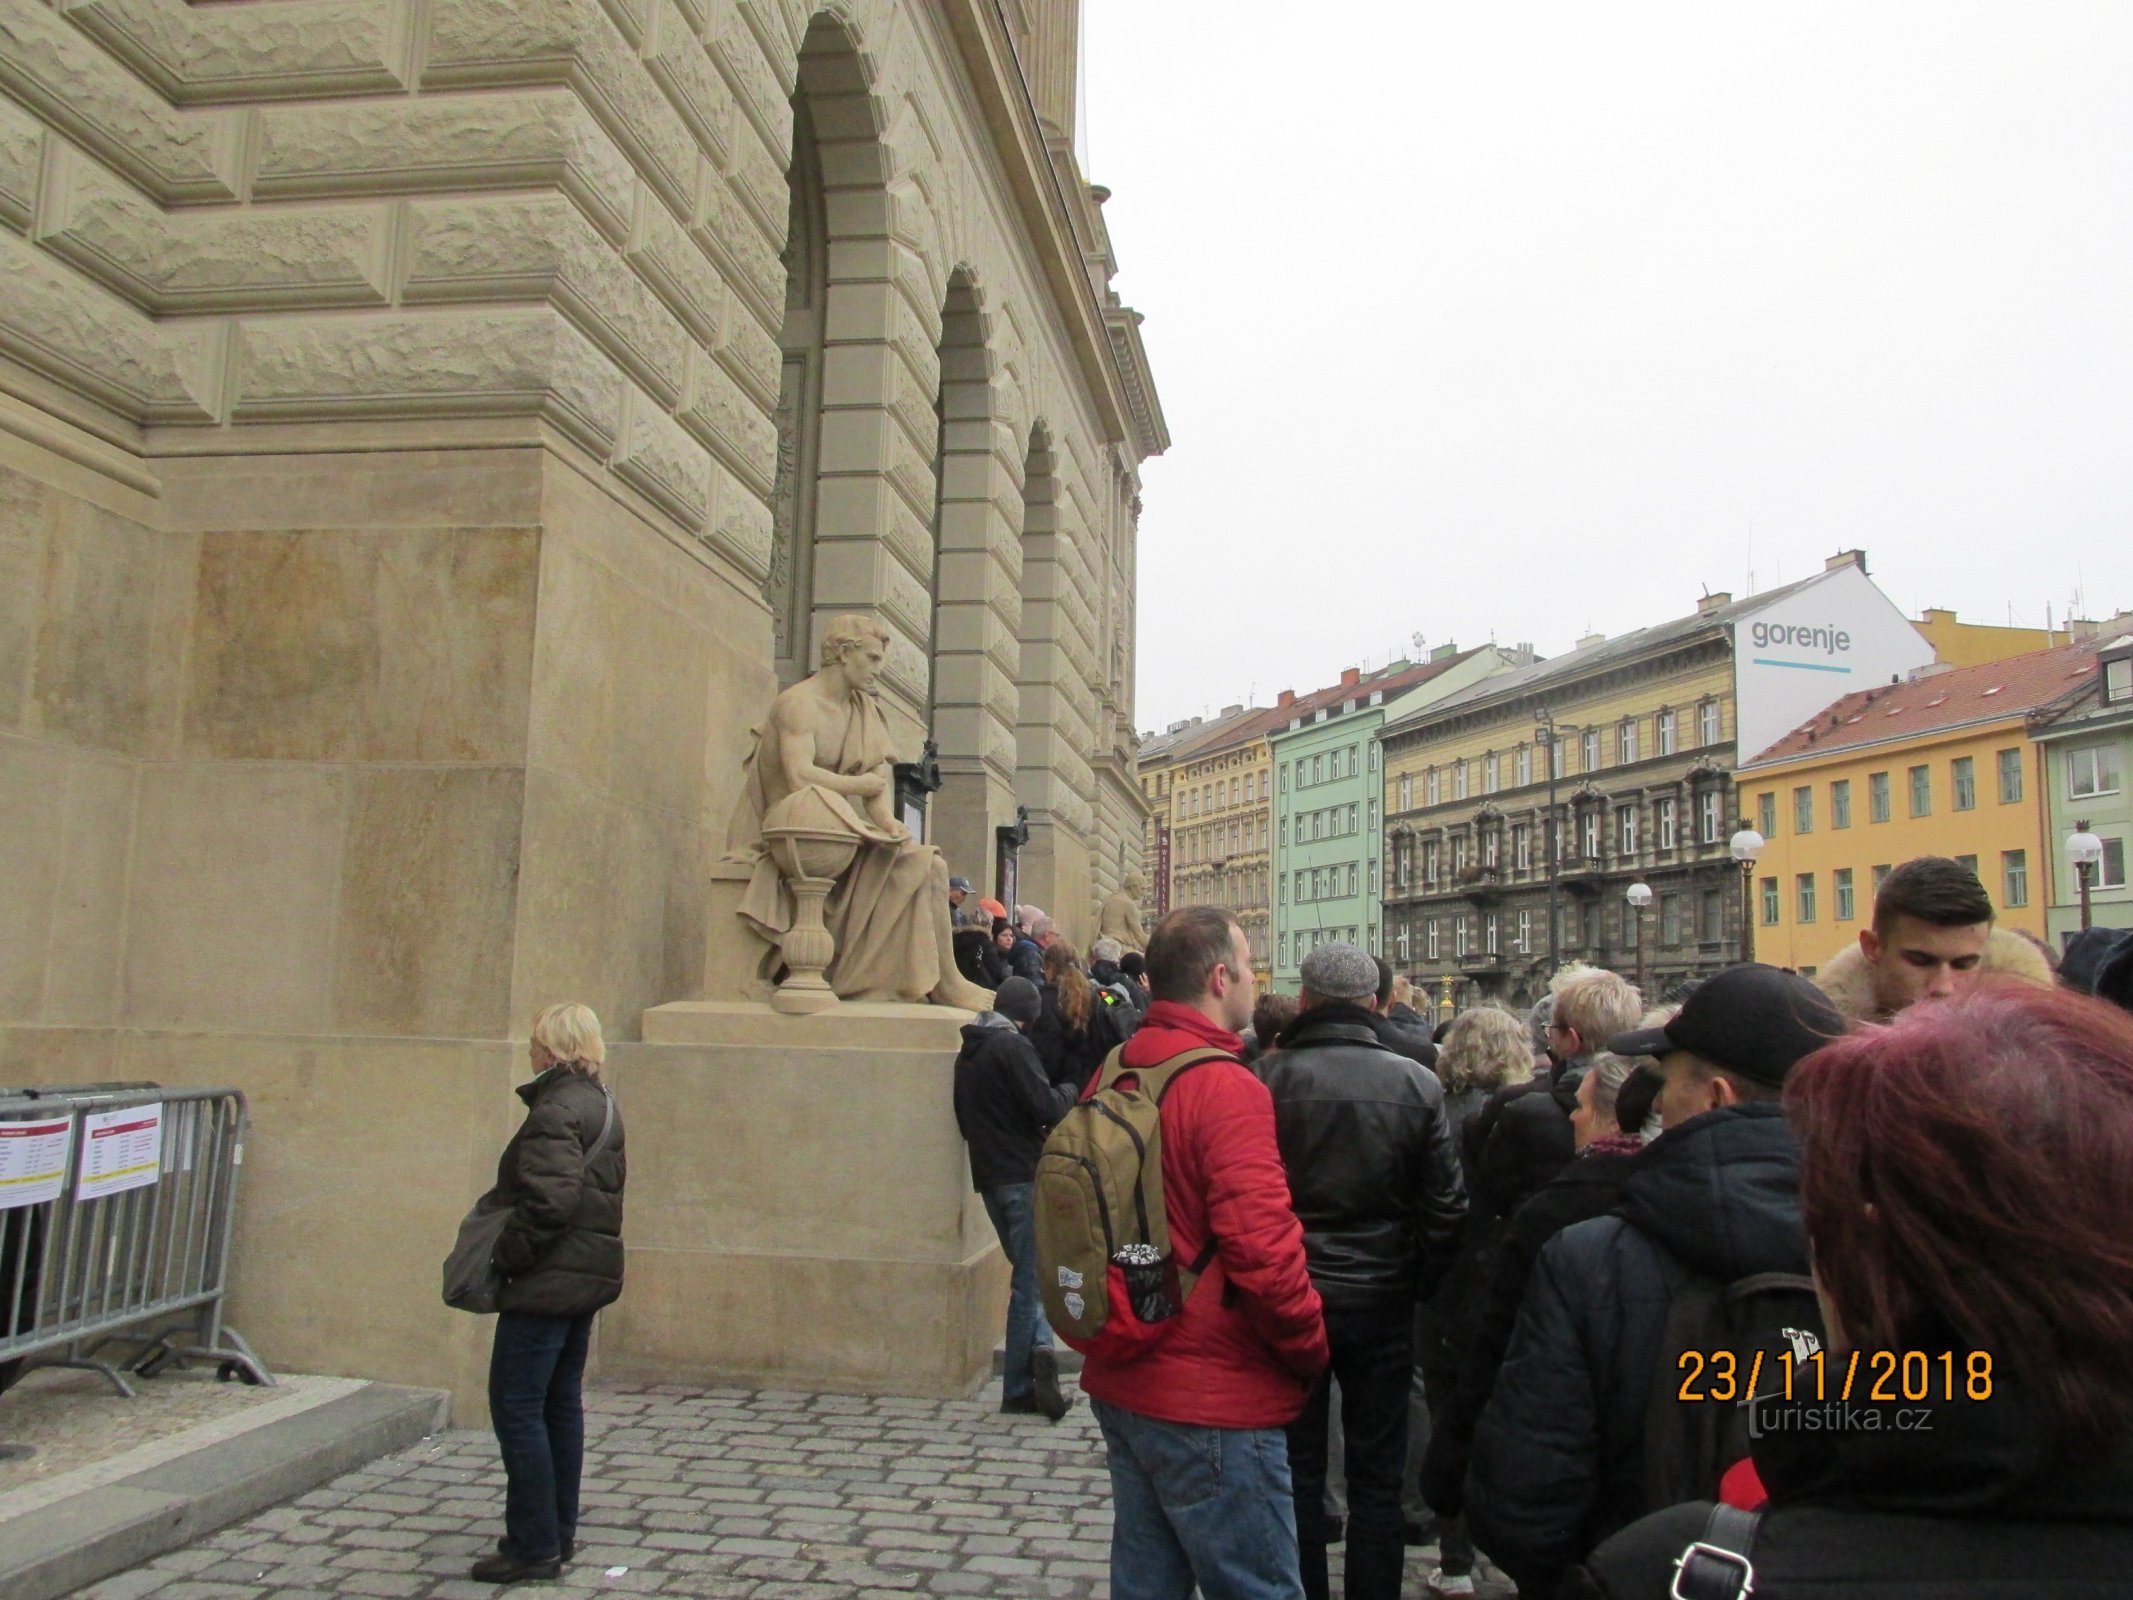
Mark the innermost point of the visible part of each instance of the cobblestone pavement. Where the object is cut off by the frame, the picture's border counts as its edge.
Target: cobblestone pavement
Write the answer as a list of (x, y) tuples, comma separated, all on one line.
[(707, 1493)]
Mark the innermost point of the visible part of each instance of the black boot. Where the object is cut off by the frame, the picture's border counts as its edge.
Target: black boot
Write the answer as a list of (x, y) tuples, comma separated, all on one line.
[(570, 1548), (502, 1568), (1044, 1381)]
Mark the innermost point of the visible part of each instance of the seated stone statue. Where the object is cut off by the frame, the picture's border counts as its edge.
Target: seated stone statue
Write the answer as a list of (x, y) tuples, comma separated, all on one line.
[(822, 771), (1120, 917)]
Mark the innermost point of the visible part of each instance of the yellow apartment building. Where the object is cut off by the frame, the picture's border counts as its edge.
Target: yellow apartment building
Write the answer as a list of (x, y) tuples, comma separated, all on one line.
[(1972, 644), (1938, 763), (1221, 826), (1173, 805)]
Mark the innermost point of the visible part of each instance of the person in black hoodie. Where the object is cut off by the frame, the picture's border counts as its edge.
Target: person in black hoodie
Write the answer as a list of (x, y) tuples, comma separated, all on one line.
[(2010, 1260), (1004, 1107), (1374, 1178), (1558, 1455)]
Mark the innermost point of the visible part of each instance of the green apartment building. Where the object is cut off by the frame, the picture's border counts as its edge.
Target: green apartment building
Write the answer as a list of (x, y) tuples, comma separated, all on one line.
[(1328, 792), (2086, 744)]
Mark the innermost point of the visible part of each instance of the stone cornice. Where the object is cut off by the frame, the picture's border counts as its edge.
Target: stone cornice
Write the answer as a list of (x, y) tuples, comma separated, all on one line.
[(988, 54)]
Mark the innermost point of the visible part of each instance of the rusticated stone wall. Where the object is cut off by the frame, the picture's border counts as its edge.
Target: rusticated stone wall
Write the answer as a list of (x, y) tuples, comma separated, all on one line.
[(390, 432)]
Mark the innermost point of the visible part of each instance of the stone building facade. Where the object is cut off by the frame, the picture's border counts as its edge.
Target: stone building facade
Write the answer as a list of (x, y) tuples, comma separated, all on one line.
[(1222, 827), (430, 432)]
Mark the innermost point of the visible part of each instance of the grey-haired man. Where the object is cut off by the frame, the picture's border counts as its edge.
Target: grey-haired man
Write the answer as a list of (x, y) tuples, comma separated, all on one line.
[(1375, 1180)]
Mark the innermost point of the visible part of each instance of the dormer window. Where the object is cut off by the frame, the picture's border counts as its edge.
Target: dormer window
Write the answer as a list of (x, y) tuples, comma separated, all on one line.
[(2117, 679)]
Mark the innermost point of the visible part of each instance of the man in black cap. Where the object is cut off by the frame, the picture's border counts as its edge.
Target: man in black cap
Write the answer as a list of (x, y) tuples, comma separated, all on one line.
[(1559, 1453), (1004, 1107)]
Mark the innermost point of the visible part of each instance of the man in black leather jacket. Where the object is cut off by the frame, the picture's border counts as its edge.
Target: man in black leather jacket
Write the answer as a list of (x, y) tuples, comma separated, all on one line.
[(1375, 1180)]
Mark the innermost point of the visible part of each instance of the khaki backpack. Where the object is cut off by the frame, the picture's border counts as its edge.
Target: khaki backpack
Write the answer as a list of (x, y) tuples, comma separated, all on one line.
[(1103, 1238)]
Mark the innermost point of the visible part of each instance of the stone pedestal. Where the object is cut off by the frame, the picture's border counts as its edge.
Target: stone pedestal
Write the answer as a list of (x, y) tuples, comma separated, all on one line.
[(800, 1211)]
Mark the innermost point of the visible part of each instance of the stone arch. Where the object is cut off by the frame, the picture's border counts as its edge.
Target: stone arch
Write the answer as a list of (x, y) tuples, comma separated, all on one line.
[(1053, 728), (977, 512), (866, 543)]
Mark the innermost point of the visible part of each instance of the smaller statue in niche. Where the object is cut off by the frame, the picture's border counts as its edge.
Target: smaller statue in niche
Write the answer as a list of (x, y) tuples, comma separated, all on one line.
[(1120, 917), (854, 907)]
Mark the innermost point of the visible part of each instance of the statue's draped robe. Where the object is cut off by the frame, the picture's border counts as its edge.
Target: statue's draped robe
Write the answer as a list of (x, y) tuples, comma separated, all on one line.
[(1120, 919), (882, 911)]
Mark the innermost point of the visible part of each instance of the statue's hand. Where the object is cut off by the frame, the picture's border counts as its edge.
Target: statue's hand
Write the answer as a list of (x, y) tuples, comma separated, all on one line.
[(871, 785), (896, 831)]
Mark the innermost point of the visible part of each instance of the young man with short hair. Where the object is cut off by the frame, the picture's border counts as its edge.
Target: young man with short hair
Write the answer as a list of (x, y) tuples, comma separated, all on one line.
[(1193, 1427), (1931, 937), (1558, 1459)]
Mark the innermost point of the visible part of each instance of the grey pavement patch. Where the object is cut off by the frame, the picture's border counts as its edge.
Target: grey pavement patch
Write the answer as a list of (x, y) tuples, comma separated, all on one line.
[(705, 1494)]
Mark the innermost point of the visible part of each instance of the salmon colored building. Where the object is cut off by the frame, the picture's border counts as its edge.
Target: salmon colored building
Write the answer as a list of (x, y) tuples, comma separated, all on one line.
[(1939, 763)]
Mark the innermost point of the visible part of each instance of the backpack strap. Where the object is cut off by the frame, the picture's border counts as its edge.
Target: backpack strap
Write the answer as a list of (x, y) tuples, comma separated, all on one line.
[(1716, 1566), (1162, 1075), (607, 1127)]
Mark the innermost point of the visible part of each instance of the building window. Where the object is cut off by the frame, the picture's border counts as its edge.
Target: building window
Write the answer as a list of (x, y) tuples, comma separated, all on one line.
[(1488, 847), (1459, 935), (1803, 809), (1522, 848), (1429, 786), (1712, 816), (1877, 797), (1766, 814), (1666, 733), (1626, 830), (1429, 938), (1488, 773), (1840, 803), (1626, 741), (1459, 781), (1459, 851), (1881, 872), (1921, 791), (1284, 777), (1354, 881), (1429, 863), (1962, 772), (2014, 877), (2092, 771), (1669, 919), (1841, 881), (1373, 877), (2010, 764), (1284, 949), (1489, 932), (1407, 791), (1525, 933), (1714, 916), (1556, 758), (1770, 902), (1663, 821), (1592, 834), (1707, 722), (1592, 750), (1399, 943), (1806, 888), (2111, 870), (2118, 680), (1525, 765)]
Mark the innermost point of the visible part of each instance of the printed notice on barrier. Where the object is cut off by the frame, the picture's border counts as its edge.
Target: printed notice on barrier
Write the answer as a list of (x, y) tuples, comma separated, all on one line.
[(120, 1150), (33, 1161)]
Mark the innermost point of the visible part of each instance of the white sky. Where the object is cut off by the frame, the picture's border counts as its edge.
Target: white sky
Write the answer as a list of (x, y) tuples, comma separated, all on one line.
[(1513, 320)]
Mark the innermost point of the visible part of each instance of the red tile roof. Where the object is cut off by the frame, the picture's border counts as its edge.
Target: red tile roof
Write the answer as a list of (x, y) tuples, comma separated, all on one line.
[(1939, 701)]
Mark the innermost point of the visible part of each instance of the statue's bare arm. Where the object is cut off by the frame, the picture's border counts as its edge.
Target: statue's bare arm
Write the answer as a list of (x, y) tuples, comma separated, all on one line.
[(796, 726)]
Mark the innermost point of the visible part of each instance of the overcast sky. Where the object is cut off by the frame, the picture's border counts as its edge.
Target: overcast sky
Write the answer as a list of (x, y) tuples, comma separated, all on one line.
[(1518, 320)]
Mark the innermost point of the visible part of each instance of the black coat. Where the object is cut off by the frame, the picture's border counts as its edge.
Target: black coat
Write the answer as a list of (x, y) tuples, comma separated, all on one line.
[(1477, 1330), (1522, 1138), (1986, 1506), (561, 1253), (1071, 1055), (1003, 1105), (1410, 1039), (1558, 1461), (1372, 1172), (1026, 960), (979, 959)]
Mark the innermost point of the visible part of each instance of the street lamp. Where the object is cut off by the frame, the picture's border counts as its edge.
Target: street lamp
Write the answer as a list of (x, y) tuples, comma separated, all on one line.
[(1639, 895), (2084, 850), (1546, 730), (1746, 845)]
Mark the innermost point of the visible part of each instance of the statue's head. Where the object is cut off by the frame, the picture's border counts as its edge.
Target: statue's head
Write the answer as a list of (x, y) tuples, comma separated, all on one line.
[(1134, 884), (857, 646)]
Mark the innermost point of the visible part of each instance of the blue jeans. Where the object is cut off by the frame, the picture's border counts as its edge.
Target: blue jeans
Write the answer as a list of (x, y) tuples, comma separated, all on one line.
[(1206, 1506), (537, 1406), (1014, 1219)]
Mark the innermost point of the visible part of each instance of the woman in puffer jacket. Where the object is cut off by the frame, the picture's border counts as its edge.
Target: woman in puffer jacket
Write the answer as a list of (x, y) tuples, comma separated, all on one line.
[(560, 1258)]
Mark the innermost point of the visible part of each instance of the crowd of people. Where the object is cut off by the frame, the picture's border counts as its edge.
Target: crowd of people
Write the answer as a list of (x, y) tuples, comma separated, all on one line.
[(1592, 1289)]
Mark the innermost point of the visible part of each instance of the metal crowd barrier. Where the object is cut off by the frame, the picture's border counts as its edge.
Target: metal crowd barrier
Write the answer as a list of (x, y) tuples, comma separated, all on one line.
[(117, 1202)]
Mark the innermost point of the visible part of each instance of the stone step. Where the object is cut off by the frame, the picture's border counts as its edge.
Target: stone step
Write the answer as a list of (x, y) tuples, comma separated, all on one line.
[(74, 1530)]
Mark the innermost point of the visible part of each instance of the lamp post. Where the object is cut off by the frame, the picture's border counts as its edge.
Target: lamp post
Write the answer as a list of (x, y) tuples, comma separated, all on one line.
[(1547, 731), (1746, 846), (1639, 895), (2084, 850)]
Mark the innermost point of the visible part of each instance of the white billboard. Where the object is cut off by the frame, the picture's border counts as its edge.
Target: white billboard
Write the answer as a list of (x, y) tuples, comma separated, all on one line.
[(1825, 640)]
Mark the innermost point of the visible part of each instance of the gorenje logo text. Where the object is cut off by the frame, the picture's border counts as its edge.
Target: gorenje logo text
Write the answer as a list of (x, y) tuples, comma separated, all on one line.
[(1830, 640)]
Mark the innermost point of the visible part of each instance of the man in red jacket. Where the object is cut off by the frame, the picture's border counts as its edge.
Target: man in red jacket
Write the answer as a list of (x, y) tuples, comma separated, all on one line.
[(1199, 1464)]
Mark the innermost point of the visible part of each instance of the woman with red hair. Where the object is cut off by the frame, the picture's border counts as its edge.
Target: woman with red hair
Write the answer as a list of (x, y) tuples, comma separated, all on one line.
[(1966, 1177)]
